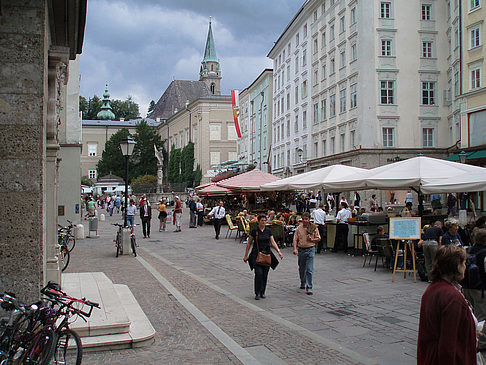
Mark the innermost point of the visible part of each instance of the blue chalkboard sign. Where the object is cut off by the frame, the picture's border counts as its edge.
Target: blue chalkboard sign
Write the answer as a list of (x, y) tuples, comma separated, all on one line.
[(405, 228)]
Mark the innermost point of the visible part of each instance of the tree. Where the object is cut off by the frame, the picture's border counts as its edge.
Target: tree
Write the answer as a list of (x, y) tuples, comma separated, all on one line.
[(174, 173), (86, 181), (197, 175), (126, 109), (187, 164), (112, 160), (151, 108), (90, 107), (144, 160)]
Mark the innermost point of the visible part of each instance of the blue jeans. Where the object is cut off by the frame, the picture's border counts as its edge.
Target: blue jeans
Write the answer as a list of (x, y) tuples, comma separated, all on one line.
[(261, 276), (306, 265), (130, 220)]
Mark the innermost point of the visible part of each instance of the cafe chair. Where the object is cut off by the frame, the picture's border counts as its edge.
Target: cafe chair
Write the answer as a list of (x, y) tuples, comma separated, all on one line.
[(369, 251), (231, 226), (278, 232), (246, 229)]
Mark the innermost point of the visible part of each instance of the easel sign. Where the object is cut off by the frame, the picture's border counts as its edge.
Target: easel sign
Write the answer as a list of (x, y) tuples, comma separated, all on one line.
[(405, 228)]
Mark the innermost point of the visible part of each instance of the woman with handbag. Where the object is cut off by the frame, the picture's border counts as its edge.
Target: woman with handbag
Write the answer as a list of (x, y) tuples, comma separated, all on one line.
[(261, 257)]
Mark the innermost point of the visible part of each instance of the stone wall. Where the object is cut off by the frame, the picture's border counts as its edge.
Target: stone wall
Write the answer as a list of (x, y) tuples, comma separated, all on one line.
[(23, 111)]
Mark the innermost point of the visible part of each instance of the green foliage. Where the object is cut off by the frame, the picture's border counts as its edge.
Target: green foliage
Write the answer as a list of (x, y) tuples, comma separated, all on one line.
[(90, 107), (187, 164), (151, 108), (174, 171), (126, 109), (197, 175), (86, 181), (145, 180), (144, 160), (112, 159)]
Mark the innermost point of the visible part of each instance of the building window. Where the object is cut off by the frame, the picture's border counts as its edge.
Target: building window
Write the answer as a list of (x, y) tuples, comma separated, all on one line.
[(282, 131), (474, 4), (342, 101), (296, 126), (323, 40), (475, 36), (297, 39), (456, 83), (343, 58), (288, 73), (323, 71), (342, 24), (331, 30), (428, 137), (288, 128), (343, 137), (315, 15), (288, 101), (324, 146), (304, 57), (214, 132), (289, 49), (323, 109), (353, 96), (388, 137), (385, 9), (352, 141), (333, 145), (316, 149), (283, 54), (426, 11), (304, 119), (315, 80), (296, 65), (315, 46), (353, 16), (428, 93), (427, 49), (387, 89), (296, 94), (323, 7), (304, 89), (332, 105), (92, 174), (288, 158), (305, 31), (316, 113), (476, 78), (386, 47), (215, 158), (354, 53), (333, 65), (92, 149)]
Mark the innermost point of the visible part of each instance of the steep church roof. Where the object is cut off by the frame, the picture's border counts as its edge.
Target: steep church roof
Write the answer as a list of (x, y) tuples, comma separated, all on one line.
[(210, 50), (106, 113), (176, 96)]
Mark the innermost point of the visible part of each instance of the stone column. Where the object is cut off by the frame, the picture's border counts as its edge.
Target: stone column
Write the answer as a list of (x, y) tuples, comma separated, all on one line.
[(57, 79)]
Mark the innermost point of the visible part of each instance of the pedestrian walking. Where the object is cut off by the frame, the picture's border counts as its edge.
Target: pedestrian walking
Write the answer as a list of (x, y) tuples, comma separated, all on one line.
[(192, 213), (356, 200), (320, 219), (200, 212), (131, 212), (264, 241), (145, 216), (447, 327), (218, 213), (177, 217), (91, 207), (162, 215), (118, 203), (305, 239)]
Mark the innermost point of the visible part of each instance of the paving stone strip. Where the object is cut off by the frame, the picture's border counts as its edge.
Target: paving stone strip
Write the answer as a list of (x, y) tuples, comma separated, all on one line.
[(249, 327)]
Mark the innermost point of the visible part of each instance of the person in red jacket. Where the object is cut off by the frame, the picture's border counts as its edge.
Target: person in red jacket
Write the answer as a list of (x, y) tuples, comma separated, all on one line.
[(447, 327)]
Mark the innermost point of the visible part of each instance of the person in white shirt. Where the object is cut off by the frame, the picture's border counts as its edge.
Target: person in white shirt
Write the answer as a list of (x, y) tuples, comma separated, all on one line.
[(131, 212), (218, 213), (320, 219), (342, 228)]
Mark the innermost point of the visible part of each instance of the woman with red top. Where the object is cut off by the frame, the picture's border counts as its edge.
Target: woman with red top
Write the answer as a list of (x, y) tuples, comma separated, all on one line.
[(447, 327), (177, 214)]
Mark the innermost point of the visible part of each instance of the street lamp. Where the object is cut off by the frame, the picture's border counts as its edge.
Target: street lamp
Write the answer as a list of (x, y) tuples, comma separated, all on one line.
[(463, 157), (127, 145)]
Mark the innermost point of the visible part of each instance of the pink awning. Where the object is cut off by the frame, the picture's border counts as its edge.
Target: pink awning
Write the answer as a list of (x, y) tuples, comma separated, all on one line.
[(248, 181), (202, 186), (213, 189)]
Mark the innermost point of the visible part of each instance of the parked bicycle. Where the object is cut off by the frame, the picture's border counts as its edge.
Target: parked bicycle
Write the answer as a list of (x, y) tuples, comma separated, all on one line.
[(118, 240), (64, 256), (65, 236)]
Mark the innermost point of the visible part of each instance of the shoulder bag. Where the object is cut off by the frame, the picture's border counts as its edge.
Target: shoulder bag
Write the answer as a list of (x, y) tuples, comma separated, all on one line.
[(263, 259)]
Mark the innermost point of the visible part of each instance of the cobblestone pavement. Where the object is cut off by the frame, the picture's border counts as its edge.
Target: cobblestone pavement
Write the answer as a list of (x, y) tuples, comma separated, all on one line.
[(355, 315)]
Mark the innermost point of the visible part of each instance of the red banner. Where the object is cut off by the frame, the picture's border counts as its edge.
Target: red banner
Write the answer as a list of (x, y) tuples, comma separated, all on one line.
[(235, 101)]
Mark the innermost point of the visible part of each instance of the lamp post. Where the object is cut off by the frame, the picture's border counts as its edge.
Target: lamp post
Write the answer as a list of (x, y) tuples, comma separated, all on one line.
[(463, 157), (127, 145)]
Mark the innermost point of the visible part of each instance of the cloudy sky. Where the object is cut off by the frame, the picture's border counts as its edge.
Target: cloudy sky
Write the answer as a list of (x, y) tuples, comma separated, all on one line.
[(140, 46)]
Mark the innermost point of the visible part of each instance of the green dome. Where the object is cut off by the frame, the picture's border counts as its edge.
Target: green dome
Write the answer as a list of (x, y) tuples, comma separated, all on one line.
[(106, 113)]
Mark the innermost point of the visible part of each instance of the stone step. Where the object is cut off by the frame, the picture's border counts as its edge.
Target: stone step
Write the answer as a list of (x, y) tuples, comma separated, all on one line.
[(111, 318)]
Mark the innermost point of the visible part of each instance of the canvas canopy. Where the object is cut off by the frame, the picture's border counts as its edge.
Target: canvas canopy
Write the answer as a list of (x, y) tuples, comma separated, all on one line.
[(326, 178), (214, 190), (462, 183), (248, 181)]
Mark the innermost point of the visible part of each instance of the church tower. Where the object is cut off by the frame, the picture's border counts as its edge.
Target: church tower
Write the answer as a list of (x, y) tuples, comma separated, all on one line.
[(210, 71), (106, 113)]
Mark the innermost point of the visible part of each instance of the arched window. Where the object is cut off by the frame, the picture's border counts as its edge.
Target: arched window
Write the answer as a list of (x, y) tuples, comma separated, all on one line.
[(212, 67), (212, 88)]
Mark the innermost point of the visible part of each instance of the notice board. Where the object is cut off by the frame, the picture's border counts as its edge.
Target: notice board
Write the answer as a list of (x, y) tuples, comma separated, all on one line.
[(405, 228)]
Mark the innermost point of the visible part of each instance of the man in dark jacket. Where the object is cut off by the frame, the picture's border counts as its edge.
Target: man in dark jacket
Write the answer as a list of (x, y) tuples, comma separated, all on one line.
[(145, 216), (192, 213)]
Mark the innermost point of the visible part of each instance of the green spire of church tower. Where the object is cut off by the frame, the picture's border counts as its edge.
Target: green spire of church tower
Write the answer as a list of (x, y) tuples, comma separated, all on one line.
[(106, 113), (210, 71)]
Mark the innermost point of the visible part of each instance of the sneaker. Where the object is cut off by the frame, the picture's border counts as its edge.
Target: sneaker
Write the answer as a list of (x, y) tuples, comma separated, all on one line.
[(309, 292), (302, 286), (257, 297), (262, 296)]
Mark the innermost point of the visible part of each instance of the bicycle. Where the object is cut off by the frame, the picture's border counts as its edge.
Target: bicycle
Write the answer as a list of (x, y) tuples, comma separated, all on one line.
[(64, 256), (65, 236), (118, 240)]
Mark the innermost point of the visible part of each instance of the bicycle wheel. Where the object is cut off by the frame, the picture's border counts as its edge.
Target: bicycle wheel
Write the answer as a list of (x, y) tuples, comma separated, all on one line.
[(134, 245), (63, 356), (64, 257), (42, 349), (70, 243)]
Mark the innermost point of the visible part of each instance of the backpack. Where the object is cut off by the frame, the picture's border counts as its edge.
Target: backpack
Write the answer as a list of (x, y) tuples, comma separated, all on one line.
[(475, 274)]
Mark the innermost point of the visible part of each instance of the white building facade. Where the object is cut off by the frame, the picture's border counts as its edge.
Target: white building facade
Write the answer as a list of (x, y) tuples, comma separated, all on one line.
[(255, 143), (360, 83)]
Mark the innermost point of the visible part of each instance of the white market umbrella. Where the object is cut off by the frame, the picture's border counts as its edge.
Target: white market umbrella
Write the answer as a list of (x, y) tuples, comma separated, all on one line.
[(326, 178), (462, 183)]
